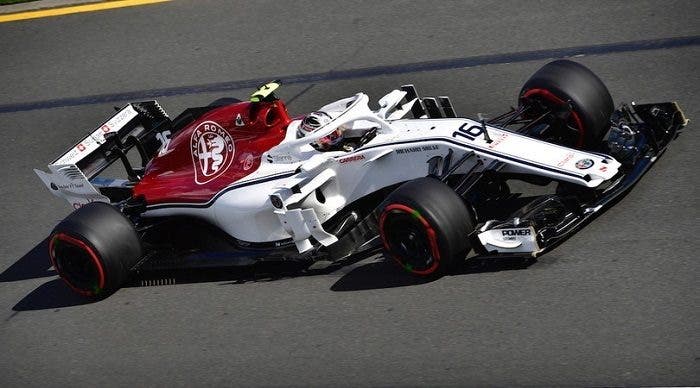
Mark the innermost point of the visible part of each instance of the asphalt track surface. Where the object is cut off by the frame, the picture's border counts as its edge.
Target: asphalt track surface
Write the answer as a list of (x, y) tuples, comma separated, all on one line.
[(617, 304)]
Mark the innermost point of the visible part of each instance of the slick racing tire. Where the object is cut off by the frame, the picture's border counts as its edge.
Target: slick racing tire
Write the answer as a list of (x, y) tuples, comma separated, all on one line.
[(94, 248), (425, 226), (564, 82)]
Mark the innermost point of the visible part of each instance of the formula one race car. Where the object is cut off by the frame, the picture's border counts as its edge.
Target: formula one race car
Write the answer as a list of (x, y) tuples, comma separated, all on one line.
[(234, 183)]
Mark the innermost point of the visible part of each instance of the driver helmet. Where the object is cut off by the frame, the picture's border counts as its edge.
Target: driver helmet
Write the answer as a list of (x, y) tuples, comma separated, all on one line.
[(316, 120)]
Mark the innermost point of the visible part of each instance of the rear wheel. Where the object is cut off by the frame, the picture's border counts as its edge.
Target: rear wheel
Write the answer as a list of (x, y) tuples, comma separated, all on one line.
[(579, 103), (94, 248), (424, 226)]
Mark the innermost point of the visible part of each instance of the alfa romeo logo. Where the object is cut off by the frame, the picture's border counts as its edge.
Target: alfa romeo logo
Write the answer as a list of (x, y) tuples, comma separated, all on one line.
[(212, 151), (584, 164)]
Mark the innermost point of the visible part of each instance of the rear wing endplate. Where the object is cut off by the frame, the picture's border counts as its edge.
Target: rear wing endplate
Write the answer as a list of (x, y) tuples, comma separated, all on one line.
[(134, 125)]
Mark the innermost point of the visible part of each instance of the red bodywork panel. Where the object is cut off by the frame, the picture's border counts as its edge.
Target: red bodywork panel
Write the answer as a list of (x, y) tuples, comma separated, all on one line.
[(217, 149)]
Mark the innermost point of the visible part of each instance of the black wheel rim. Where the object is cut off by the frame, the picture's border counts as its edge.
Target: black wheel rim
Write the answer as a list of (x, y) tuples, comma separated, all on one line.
[(409, 241), (76, 265)]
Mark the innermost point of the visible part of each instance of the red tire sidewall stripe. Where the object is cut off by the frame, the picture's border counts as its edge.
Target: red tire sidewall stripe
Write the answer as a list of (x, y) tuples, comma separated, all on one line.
[(91, 252), (432, 236), (551, 97)]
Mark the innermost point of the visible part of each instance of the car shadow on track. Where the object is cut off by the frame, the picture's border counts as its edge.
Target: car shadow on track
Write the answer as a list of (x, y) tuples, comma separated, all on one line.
[(50, 295), (34, 264), (376, 274), (386, 274), (55, 294)]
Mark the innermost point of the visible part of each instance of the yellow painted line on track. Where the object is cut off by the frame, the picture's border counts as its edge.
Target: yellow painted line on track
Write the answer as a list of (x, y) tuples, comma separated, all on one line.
[(43, 13)]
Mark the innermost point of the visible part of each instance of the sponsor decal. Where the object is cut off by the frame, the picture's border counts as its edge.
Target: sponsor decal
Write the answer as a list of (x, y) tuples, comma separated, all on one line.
[(75, 154), (410, 150), (513, 234), (248, 160), (84, 201), (70, 157), (603, 168), (568, 157), (70, 186), (93, 141), (212, 151), (280, 158), (353, 158), (239, 120), (516, 232), (78, 205), (498, 140), (584, 164), (115, 123), (510, 240)]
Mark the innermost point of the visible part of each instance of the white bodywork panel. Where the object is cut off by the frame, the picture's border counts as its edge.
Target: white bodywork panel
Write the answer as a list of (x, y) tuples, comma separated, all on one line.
[(312, 185), (68, 182), (510, 240)]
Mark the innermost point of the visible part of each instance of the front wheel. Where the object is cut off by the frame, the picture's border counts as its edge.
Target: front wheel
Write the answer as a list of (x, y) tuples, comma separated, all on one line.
[(94, 248), (425, 226), (580, 105)]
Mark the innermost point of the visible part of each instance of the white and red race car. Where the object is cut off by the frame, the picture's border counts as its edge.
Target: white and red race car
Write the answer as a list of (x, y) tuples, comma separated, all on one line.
[(237, 182)]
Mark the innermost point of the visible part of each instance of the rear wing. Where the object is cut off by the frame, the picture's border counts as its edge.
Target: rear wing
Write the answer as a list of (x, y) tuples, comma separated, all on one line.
[(143, 125)]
